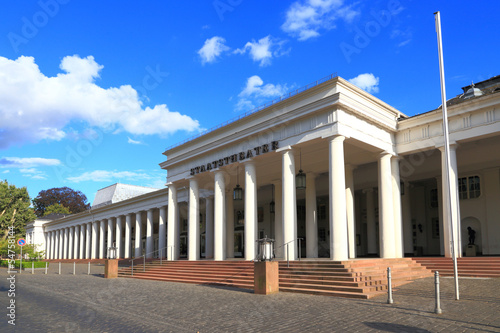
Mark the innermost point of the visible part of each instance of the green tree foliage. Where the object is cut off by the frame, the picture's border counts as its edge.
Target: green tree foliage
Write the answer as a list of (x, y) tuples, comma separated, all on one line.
[(56, 208), (14, 209), (75, 201)]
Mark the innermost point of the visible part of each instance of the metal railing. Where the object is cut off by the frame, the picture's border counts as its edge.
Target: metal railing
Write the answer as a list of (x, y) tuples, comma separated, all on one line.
[(288, 248), (159, 251)]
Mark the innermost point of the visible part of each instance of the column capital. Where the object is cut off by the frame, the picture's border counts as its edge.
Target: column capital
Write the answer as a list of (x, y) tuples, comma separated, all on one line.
[(453, 146), (335, 137), (284, 149)]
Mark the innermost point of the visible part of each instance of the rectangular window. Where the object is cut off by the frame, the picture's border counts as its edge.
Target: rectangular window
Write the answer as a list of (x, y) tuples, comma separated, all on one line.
[(434, 198), (469, 187), (321, 212), (322, 234)]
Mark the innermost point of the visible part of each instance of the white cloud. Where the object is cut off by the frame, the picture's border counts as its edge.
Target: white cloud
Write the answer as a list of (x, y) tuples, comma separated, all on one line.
[(33, 173), (27, 162), (212, 49), (256, 91), (35, 107), (367, 81), (263, 50), (304, 19), (6, 171), (108, 176), (134, 142)]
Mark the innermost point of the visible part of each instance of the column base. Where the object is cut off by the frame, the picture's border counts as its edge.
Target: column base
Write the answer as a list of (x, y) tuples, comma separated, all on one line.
[(266, 277), (111, 269)]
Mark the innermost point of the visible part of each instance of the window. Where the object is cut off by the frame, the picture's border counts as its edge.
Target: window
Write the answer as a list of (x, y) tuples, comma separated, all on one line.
[(321, 212), (469, 187), (322, 234), (434, 198)]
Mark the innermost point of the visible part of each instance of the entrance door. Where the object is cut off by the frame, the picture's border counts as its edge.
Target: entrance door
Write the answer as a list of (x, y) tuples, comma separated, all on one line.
[(183, 247), (238, 244)]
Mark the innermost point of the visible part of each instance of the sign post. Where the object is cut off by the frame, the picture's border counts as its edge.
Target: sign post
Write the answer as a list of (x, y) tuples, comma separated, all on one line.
[(21, 242)]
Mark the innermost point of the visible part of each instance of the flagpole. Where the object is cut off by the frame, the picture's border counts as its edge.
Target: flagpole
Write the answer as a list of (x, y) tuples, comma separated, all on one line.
[(446, 173)]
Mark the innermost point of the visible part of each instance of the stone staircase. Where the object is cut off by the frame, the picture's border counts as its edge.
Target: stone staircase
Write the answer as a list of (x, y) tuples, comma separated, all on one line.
[(486, 267), (359, 278)]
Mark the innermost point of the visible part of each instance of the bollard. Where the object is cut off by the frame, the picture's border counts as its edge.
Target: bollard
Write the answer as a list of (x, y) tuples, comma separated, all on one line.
[(88, 271), (74, 268), (32, 267), (59, 268), (46, 266), (438, 303), (389, 286)]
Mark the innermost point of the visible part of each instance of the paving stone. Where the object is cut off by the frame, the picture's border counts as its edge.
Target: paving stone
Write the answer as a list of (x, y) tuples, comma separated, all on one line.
[(90, 303)]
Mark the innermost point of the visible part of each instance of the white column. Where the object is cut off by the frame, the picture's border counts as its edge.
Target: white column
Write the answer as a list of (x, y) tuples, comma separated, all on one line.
[(48, 244), (110, 237), (338, 216), (128, 236), (278, 219), (172, 224), (82, 241), (194, 221), (51, 247), (371, 227), (289, 202), (209, 228), (102, 235), (219, 216), (162, 232), (351, 222), (65, 246), (54, 244), (71, 231), (76, 241), (250, 210), (443, 227), (58, 249), (229, 225), (407, 225), (386, 210), (396, 204), (88, 241), (311, 217), (95, 239), (138, 234), (61, 244), (454, 215), (118, 237), (149, 234)]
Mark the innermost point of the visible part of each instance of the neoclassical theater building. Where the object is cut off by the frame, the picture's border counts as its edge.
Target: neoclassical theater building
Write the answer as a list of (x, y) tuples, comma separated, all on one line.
[(328, 171)]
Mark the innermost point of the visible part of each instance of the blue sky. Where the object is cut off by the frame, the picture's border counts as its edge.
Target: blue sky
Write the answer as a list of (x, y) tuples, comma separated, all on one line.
[(92, 92)]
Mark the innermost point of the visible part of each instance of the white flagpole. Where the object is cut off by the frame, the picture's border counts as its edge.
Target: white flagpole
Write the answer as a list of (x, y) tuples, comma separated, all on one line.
[(446, 173)]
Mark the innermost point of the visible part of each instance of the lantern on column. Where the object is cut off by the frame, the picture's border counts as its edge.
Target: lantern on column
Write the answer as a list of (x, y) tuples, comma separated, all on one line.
[(238, 191), (300, 178)]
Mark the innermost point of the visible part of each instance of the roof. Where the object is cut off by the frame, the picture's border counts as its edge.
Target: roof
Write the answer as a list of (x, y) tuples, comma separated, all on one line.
[(119, 192)]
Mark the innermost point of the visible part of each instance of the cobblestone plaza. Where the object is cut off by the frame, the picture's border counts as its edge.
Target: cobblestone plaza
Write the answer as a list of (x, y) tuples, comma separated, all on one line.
[(90, 303)]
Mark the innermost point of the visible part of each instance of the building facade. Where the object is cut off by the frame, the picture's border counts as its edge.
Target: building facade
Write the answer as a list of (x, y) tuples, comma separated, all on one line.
[(329, 171)]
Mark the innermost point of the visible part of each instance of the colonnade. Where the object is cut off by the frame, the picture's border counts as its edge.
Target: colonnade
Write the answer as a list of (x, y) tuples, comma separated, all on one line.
[(92, 240)]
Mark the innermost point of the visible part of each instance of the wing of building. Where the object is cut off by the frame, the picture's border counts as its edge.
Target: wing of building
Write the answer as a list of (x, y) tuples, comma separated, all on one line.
[(327, 171)]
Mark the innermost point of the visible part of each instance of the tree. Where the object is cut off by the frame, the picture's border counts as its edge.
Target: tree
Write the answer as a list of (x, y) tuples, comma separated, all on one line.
[(75, 201), (14, 209), (56, 209)]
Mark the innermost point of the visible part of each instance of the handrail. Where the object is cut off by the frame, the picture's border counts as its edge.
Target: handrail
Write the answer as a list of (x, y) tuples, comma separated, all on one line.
[(144, 259), (258, 108), (288, 252)]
